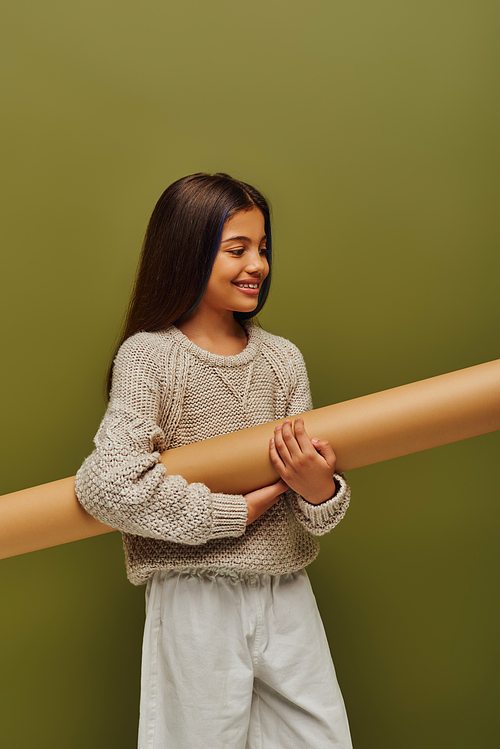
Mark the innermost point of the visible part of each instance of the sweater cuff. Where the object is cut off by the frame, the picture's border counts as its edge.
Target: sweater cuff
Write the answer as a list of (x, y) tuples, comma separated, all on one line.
[(229, 515), (324, 512)]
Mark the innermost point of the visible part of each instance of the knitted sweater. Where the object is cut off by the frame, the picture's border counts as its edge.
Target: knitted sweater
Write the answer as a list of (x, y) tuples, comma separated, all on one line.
[(168, 392)]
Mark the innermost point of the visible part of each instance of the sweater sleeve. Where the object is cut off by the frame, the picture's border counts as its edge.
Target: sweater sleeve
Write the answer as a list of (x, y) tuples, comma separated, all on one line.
[(124, 484), (318, 519)]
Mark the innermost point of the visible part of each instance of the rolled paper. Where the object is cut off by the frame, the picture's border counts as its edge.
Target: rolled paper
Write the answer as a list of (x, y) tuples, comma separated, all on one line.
[(362, 431), (43, 516)]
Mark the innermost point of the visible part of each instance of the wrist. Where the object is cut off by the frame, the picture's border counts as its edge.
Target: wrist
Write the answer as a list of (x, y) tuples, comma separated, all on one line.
[(317, 498)]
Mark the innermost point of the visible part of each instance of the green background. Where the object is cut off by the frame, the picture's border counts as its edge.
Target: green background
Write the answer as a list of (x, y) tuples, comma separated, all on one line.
[(373, 128)]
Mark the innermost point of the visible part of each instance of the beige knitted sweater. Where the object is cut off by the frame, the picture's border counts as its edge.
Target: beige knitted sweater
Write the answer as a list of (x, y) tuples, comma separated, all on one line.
[(168, 392)]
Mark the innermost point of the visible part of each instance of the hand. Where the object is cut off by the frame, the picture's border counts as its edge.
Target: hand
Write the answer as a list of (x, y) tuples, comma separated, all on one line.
[(262, 499), (306, 465)]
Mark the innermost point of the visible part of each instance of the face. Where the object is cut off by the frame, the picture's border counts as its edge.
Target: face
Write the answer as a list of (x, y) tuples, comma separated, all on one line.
[(240, 265)]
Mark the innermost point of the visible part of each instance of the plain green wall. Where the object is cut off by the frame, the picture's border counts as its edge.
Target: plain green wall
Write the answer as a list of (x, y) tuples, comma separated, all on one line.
[(373, 128)]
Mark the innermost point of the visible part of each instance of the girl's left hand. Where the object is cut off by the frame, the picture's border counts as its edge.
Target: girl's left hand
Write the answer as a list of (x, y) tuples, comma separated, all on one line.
[(306, 465)]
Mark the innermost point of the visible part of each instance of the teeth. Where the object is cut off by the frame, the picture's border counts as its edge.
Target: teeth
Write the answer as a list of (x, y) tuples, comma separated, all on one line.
[(248, 285)]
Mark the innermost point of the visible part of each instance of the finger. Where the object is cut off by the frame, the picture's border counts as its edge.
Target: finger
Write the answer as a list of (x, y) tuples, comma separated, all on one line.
[(270, 492), (276, 457), (281, 446), (302, 437), (281, 486), (290, 440), (266, 493), (326, 451)]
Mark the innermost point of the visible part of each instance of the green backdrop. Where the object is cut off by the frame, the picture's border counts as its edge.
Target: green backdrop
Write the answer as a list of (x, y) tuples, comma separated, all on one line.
[(373, 128)]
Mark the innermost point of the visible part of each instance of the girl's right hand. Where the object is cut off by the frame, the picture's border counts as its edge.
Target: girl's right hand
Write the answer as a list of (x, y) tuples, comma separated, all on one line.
[(262, 499)]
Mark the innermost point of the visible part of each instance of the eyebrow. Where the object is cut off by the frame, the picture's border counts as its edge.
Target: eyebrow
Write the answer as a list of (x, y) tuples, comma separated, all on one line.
[(242, 239)]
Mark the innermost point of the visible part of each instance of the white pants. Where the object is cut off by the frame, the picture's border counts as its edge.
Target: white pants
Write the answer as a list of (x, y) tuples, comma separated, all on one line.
[(237, 660)]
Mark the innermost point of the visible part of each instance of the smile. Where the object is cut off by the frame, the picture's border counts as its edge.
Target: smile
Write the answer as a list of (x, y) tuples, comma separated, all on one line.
[(250, 289)]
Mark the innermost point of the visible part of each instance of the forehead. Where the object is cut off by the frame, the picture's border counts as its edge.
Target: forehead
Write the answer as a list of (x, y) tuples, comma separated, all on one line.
[(248, 223)]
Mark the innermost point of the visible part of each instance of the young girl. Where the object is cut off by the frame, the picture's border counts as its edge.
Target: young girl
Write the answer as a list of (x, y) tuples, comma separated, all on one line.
[(234, 651)]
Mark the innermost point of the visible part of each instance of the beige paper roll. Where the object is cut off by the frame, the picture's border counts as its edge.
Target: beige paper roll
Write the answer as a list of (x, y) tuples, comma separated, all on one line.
[(363, 431), (366, 430)]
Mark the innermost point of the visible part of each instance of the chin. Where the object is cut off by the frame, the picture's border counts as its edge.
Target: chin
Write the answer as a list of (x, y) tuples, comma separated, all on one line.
[(246, 310)]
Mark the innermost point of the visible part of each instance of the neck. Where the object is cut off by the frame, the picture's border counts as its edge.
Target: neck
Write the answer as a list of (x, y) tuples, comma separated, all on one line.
[(214, 331)]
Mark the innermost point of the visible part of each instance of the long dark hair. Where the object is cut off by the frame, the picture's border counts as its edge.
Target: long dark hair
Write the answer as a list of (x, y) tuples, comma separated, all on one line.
[(181, 242)]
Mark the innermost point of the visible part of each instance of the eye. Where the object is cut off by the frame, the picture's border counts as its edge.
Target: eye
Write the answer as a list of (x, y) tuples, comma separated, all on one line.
[(237, 253), (263, 251)]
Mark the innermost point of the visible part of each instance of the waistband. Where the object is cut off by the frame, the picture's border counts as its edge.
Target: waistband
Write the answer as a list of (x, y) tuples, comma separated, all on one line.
[(214, 573)]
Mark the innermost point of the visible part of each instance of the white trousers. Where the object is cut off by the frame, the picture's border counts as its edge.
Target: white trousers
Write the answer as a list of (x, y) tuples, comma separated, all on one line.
[(237, 660)]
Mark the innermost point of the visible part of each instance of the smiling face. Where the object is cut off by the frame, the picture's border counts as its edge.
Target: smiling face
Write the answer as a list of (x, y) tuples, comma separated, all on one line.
[(240, 265)]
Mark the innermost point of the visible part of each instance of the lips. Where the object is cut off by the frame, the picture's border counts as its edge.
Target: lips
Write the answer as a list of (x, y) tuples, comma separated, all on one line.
[(250, 288)]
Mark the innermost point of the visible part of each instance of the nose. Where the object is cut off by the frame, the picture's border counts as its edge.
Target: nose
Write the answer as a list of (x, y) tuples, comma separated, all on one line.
[(257, 263)]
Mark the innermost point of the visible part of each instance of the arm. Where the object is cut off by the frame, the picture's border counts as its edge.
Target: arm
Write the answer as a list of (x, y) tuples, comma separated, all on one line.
[(366, 430), (123, 482), (318, 496)]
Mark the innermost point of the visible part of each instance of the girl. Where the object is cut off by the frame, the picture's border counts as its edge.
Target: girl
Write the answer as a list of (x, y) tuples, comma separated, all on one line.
[(234, 651)]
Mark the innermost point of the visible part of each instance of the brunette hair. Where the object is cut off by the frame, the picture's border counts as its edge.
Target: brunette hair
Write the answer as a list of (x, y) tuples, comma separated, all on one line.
[(179, 249)]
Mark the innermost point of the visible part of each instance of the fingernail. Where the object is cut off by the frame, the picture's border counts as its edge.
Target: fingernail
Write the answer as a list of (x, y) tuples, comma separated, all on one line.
[(272, 441), (276, 428), (314, 439)]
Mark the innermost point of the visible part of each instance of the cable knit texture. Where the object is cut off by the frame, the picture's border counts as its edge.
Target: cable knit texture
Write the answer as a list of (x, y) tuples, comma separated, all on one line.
[(168, 392)]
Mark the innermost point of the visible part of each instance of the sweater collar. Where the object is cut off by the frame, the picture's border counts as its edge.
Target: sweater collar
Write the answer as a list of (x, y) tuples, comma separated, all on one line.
[(248, 354)]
